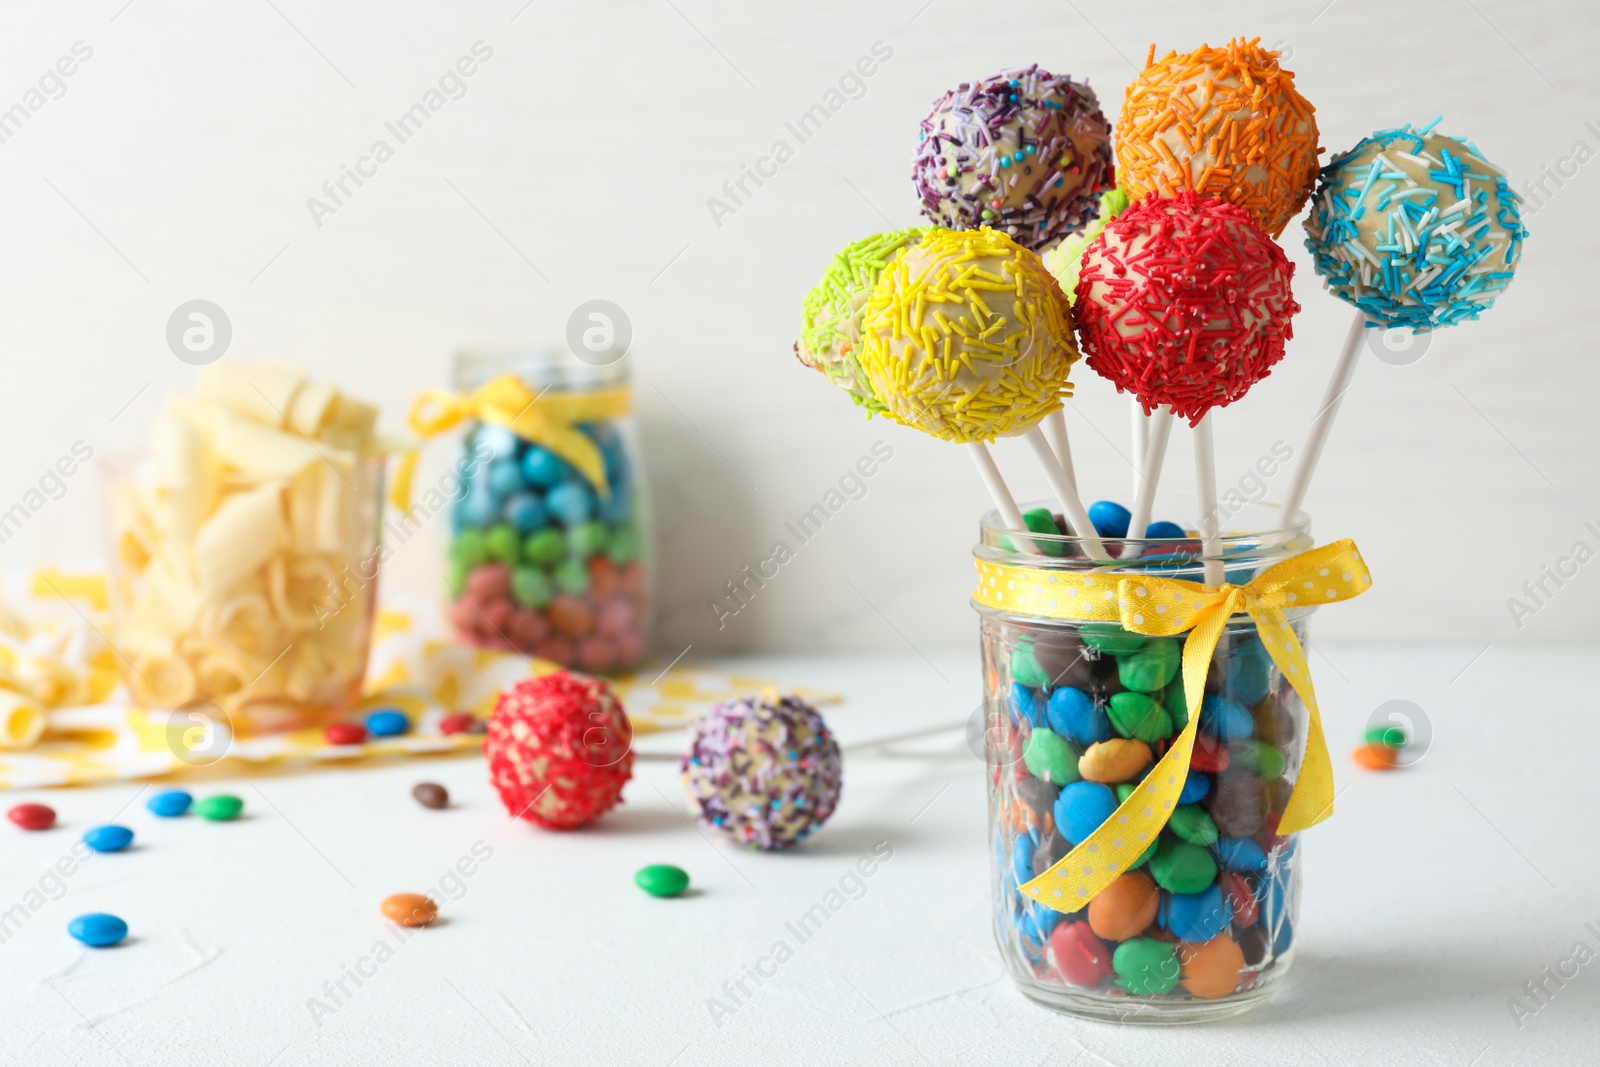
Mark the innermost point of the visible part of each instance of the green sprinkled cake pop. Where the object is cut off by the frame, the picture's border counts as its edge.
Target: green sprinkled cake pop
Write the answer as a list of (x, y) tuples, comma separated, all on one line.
[(1064, 259)]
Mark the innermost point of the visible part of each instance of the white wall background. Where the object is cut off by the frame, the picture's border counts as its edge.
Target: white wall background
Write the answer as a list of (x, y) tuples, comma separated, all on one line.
[(578, 165)]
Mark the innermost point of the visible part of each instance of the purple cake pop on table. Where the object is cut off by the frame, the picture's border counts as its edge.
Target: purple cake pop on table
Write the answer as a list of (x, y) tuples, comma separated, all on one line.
[(1026, 151), (764, 770)]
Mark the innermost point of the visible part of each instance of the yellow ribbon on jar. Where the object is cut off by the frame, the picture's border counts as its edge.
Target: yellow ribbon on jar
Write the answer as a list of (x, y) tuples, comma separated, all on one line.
[(1162, 607), (547, 418)]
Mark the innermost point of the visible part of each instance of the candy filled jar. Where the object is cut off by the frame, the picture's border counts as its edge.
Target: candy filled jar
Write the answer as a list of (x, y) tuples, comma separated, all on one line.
[(548, 552), (1198, 919)]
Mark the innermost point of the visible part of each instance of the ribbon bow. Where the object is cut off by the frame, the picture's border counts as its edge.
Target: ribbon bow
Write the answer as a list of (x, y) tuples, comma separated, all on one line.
[(1162, 607), (546, 418)]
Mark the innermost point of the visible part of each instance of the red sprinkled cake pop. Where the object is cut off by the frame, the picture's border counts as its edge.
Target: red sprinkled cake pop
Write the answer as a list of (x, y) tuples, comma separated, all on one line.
[(1184, 302), (559, 750)]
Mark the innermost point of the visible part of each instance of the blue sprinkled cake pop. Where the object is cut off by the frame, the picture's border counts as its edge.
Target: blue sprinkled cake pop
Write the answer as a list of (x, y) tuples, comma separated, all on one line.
[(1415, 229)]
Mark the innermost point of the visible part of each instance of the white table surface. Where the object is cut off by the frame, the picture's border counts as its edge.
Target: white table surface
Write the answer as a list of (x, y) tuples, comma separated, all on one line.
[(1433, 895)]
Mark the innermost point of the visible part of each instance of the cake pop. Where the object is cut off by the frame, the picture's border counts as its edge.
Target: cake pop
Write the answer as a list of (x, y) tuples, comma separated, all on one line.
[(1063, 260), (1026, 152), (831, 334), (765, 771), (1225, 122), (1184, 302)]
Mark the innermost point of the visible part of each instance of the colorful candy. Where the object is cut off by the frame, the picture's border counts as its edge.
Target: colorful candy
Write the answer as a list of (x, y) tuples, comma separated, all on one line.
[(97, 929), (387, 722), (108, 838), (409, 909), (1025, 152), (662, 880), (170, 804), (32, 816), (765, 772), (560, 749), (219, 807), (344, 733), (431, 795)]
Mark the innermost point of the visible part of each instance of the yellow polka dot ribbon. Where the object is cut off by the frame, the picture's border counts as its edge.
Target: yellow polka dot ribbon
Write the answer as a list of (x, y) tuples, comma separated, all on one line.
[(1162, 607), (545, 418)]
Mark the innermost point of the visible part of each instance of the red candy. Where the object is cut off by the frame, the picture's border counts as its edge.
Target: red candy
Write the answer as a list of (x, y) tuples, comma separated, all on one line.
[(560, 749), (1081, 958), (1209, 755), (457, 722), (32, 816), (1184, 301), (1236, 888), (344, 733)]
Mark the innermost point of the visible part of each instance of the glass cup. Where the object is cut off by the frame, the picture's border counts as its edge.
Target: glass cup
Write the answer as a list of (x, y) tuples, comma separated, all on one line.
[(1143, 951)]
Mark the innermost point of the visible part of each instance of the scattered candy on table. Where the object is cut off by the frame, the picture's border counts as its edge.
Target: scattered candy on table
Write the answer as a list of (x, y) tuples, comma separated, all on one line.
[(170, 804), (764, 771), (97, 929), (387, 722), (219, 807), (459, 722), (560, 749), (344, 733), (32, 816), (410, 909), (662, 880), (431, 795), (108, 838)]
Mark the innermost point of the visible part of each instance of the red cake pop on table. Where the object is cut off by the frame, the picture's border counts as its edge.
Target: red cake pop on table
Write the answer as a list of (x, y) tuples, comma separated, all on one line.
[(560, 749)]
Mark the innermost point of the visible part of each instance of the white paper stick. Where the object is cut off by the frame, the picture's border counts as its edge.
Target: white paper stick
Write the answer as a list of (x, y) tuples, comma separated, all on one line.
[(1145, 499), (1205, 478), (1140, 423), (1322, 425), (1001, 494), (1057, 466)]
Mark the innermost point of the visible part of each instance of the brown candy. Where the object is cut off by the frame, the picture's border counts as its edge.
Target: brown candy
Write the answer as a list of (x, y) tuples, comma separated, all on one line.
[(1063, 658), (1238, 803), (1254, 942), (1039, 795), (431, 795), (1274, 722), (1049, 853)]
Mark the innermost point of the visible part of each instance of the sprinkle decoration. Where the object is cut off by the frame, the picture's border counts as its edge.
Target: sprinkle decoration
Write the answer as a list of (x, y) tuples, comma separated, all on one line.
[(968, 337), (1065, 259), (765, 771), (1184, 302), (831, 333), (1415, 228), (1026, 152), (1225, 122), (560, 749)]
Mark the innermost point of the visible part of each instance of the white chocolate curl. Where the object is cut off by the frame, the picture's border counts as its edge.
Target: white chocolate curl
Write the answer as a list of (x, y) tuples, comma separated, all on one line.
[(246, 549)]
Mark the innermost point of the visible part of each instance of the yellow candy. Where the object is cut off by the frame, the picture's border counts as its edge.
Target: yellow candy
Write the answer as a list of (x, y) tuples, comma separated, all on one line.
[(1117, 760)]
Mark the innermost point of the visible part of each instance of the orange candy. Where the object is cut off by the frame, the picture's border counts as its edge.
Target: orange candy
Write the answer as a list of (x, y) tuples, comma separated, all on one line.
[(571, 616), (409, 909), (1125, 907), (1376, 757), (1211, 969)]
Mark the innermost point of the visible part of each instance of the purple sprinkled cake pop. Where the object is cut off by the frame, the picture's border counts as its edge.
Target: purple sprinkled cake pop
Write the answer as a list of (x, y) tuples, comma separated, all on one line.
[(764, 770), (1026, 151)]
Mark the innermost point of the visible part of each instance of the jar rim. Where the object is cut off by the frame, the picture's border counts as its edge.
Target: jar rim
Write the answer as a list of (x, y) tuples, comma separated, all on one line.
[(538, 366)]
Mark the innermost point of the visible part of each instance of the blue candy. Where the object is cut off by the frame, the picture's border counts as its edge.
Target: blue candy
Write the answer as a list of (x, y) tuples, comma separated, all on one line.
[(543, 468), (1195, 917), (1246, 677), (505, 477), (1165, 529), (571, 502), (617, 508), (1026, 704), (501, 441), (1225, 718), (172, 803), (387, 722), (1073, 715), (108, 838), (1082, 807), (1022, 850), (1195, 787), (1241, 854), (477, 508), (97, 929), (1110, 518), (524, 512)]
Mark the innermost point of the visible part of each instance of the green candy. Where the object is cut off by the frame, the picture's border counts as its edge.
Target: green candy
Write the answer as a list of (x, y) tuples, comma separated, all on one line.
[(1172, 698), (1124, 791), (467, 548), (500, 543), (1136, 715), (1180, 867), (1049, 757), (1146, 967), (1152, 667), (587, 539), (530, 587), (1190, 822), (219, 808), (624, 544), (1109, 638), (572, 577), (1257, 757), (455, 577), (662, 880), (545, 547), (1387, 736), (1039, 520), (1144, 857), (1024, 668)]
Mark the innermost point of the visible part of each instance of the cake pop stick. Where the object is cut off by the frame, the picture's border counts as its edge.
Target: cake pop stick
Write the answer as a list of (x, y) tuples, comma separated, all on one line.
[(1417, 230), (1000, 493), (1149, 477), (1139, 422), (1057, 467), (1205, 477)]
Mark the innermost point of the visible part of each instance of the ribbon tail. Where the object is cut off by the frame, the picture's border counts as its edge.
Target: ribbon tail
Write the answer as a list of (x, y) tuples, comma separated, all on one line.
[(1312, 799), (400, 488)]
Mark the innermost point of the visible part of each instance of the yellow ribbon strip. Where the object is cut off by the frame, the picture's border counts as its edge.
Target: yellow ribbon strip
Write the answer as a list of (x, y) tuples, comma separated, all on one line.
[(1162, 607), (546, 418)]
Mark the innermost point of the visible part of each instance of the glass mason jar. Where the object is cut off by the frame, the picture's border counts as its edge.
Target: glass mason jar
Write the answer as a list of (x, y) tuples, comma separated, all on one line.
[(1156, 945), (541, 560), (254, 597)]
